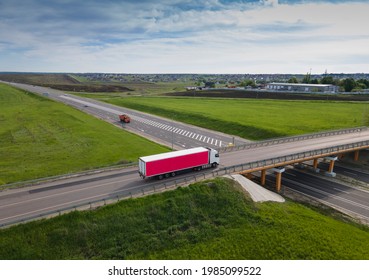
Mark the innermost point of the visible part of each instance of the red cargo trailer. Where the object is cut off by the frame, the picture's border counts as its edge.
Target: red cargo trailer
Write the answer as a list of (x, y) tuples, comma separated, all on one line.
[(168, 164)]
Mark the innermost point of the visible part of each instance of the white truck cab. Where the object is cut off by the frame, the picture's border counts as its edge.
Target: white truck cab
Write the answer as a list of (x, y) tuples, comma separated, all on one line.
[(213, 157)]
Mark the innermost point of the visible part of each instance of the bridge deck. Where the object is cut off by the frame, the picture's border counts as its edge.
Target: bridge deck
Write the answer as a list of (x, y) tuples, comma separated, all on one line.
[(320, 146)]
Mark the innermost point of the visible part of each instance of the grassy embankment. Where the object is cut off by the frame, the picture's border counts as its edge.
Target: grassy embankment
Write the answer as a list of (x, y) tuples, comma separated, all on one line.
[(252, 118), (39, 138), (208, 220)]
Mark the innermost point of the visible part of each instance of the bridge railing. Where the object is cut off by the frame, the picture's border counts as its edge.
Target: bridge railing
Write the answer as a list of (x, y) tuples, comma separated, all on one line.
[(287, 159), (194, 177), (282, 140), (66, 175), (148, 189)]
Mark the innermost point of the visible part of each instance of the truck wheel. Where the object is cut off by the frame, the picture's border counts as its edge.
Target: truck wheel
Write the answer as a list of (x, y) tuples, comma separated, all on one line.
[(167, 175), (214, 164), (173, 174), (160, 177)]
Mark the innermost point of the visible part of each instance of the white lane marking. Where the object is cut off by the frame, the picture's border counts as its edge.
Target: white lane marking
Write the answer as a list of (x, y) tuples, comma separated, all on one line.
[(212, 140), (341, 191), (330, 195), (350, 173), (137, 118), (208, 140), (198, 135), (69, 202), (328, 203), (66, 192)]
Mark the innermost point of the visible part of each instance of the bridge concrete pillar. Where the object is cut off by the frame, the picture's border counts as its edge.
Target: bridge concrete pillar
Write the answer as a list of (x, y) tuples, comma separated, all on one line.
[(263, 177), (278, 181), (330, 172), (249, 176), (315, 165), (278, 177), (356, 155)]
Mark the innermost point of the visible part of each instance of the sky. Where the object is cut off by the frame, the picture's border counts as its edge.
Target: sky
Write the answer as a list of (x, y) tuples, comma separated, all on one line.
[(185, 36)]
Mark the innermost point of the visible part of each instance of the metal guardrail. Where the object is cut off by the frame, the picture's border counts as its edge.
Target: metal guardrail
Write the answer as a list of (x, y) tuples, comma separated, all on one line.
[(64, 176), (150, 189), (282, 160), (282, 140)]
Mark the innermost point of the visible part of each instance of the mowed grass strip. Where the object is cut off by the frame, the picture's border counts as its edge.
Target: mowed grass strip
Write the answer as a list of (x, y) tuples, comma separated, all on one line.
[(208, 220), (40, 138), (252, 118)]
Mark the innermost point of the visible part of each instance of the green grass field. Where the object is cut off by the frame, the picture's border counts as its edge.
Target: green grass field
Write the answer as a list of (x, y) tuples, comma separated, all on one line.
[(208, 220), (253, 118), (40, 138)]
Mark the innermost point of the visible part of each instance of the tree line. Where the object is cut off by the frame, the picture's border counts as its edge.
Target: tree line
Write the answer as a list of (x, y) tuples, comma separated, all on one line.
[(347, 85)]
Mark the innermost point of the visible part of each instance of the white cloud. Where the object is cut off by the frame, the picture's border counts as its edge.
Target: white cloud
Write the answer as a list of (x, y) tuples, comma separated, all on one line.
[(221, 38), (270, 2)]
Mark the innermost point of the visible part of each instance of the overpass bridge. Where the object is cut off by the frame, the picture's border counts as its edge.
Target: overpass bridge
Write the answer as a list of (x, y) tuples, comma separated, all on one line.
[(88, 190), (275, 154)]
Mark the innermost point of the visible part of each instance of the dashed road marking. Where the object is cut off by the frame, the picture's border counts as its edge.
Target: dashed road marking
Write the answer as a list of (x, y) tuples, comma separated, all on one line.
[(189, 134)]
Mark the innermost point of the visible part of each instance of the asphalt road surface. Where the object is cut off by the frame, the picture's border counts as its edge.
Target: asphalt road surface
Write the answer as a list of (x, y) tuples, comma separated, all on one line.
[(167, 132), (350, 200), (346, 171)]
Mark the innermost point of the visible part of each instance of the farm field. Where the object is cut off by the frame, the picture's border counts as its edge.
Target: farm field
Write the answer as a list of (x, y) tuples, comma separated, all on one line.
[(213, 219), (253, 119), (78, 83), (40, 138)]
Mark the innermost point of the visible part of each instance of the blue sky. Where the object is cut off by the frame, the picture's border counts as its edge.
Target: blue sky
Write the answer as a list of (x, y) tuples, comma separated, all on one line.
[(184, 36)]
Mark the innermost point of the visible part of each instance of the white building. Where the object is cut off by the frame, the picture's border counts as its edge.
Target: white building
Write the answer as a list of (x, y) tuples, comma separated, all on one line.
[(302, 87)]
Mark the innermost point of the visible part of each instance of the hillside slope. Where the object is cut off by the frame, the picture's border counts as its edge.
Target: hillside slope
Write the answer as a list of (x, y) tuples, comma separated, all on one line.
[(208, 220)]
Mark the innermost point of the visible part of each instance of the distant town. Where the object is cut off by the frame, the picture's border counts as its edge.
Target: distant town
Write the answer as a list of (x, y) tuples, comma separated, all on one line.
[(325, 82), (219, 78)]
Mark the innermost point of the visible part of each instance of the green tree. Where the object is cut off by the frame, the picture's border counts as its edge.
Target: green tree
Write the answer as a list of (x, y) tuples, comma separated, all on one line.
[(306, 79), (327, 80), (315, 81), (363, 83), (293, 80), (246, 83), (348, 84)]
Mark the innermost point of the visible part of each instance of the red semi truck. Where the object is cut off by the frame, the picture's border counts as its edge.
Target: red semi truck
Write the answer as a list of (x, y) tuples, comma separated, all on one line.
[(168, 164)]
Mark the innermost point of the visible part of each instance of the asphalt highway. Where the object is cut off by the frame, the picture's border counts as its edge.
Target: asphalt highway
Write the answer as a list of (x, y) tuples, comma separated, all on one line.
[(18, 204), (22, 203), (165, 131), (348, 172), (347, 199)]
